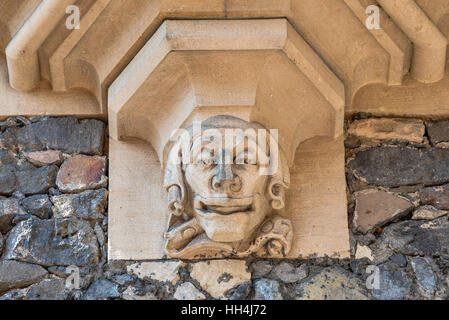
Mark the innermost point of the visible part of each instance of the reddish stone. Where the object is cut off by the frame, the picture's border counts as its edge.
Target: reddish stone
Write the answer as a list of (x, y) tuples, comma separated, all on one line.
[(43, 158), (81, 173)]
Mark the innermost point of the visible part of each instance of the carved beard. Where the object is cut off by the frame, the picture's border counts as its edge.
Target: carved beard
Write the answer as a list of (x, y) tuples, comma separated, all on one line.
[(189, 241)]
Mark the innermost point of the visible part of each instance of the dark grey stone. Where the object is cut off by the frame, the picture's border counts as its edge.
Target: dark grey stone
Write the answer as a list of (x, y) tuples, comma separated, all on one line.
[(267, 289), (14, 274), (401, 166), (287, 273), (417, 238), (123, 279), (48, 289), (261, 268), (88, 205), (38, 205), (394, 284), (102, 289), (424, 274), (239, 292), (9, 209), (22, 176), (52, 242), (399, 259), (438, 131), (65, 134)]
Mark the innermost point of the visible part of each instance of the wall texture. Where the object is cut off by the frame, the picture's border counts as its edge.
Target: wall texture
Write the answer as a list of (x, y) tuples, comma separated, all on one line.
[(53, 222)]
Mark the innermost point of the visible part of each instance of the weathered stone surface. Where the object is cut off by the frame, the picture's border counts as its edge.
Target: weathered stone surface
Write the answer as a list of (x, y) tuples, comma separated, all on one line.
[(19, 175), (81, 172), (401, 130), (44, 158), (416, 238), (428, 213), (288, 273), (438, 131), (14, 274), (88, 205), (187, 291), (399, 259), (101, 290), (51, 242), (363, 252), (47, 289), (38, 205), (132, 293), (267, 289), (393, 284), (401, 166), (36, 181), (261, 268), (332, 284), (424, 274), (219, 276), (66, 134), (9, 209), (2, 244), (240, 292), (122, 279), (154, 270), (435, 196), (375, 208)]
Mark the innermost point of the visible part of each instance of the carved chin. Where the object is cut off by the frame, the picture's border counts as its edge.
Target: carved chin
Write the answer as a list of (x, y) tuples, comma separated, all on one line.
[(228, 223)]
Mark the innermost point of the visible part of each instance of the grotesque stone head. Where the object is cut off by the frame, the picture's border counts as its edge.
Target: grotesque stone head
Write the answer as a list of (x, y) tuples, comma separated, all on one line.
[(225, 184)]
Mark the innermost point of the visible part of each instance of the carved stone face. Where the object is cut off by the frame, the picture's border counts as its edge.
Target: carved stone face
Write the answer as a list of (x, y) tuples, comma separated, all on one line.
[(228, 198)]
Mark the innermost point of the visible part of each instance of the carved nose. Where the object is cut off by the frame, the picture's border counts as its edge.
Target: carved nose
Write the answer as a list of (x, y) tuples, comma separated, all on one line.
[(226, 180)]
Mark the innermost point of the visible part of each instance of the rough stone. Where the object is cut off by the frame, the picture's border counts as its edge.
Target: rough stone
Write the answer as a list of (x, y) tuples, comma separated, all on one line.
[(154, 270), (289, 274), (122, 279), (435, 196), (36, 181), (88, 205), (132, 293), (38, 205), (240, 292), (399, 259), (66, 134), (102, 290), (261, 268), (44, 158), (386, 129), (417, 238), (219, 276), (438, 131), (9, 209), (2, 244), (14, 274), (20, 175), (81, 172), (424, 274), (47, 289), (332, 284), (187, 291), (100, 235), (428, 213), (375, 208), (267, 289), (51, 242), (401, 166), (393, 284), (363, 252)]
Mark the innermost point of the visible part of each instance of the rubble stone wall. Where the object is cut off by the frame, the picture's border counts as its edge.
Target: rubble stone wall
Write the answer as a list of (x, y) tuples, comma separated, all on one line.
[(53, 222)]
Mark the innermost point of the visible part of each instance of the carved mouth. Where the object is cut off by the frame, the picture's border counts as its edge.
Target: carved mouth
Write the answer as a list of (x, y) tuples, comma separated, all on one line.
[(225, 208)]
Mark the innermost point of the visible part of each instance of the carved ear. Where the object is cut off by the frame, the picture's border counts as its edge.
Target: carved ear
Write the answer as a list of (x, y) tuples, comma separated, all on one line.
[(174, 181), (278, 184)]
